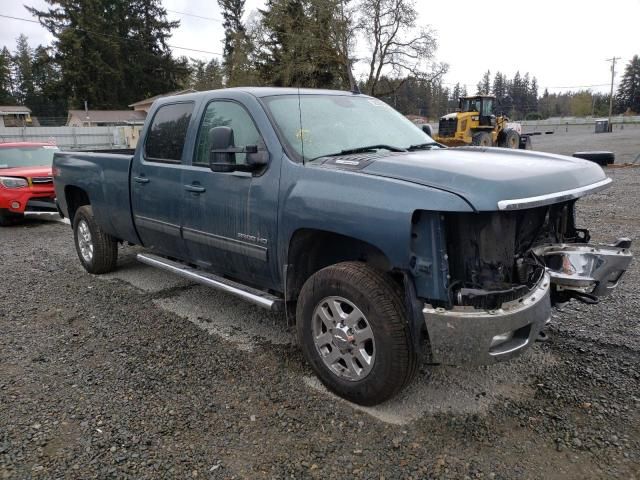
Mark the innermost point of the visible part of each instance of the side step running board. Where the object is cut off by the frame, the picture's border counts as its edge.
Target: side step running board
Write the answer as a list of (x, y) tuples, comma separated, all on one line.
[(253, 295)]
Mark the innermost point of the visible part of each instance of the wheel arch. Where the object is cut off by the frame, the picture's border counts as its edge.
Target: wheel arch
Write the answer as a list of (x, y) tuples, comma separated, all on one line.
[(310, 250), (75, 197)]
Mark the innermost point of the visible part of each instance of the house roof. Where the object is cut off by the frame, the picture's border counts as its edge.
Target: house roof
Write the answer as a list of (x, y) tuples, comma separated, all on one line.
[(152, 99), (11, 109), (109, 116)]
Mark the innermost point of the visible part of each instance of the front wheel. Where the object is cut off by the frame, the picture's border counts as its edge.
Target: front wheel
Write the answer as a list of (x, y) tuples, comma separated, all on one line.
[(97, 250), (482, 139), (510, 139), (353, 330)]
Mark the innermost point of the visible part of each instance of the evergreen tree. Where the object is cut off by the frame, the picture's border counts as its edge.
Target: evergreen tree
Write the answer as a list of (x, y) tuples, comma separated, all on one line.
[(484, 85), (6, 84), (22, 60), (533, 95), (206, 76), (499, 86), (47, 100), (455, 94), (237, 47), (149, 62), (292, 46), (112, 52), (517, 97), (628, 96)]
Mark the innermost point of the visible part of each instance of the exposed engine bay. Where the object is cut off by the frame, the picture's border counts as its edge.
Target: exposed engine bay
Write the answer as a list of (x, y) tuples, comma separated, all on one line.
[(498, 257)]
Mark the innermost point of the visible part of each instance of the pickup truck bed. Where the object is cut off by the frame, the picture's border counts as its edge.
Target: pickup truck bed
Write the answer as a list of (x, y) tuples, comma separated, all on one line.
[(106, 176)]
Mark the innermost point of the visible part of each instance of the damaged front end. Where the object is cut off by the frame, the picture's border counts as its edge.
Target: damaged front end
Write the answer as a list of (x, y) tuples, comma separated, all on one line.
[(505, 271), (585, 272)]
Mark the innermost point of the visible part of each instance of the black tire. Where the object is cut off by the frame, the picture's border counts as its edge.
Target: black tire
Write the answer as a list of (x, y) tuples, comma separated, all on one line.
[(509, 139), (601, 158), (394, 359), (525, 143), (104, 248), (482, 139), (8, 218)]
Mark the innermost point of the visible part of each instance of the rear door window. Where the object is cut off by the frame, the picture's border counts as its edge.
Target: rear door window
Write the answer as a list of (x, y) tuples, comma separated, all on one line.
[(167, 133)]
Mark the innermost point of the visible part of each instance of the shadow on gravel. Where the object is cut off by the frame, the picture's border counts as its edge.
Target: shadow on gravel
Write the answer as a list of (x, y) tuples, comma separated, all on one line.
[(436, 390)]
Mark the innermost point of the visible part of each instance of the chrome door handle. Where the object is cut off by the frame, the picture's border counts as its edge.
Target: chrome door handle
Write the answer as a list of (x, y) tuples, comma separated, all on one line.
[(195, 188), (141, 179)]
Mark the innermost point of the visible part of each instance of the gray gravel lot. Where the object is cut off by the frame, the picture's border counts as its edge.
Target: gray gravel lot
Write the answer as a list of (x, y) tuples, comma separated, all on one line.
[(138, 374), (575, 138)]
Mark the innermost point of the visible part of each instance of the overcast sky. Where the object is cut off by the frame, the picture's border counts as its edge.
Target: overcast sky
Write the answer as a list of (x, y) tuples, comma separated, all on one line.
[(564, 43)]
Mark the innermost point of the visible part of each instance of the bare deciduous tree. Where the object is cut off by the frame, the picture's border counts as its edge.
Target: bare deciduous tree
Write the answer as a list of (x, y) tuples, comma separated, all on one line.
[(397, 45)]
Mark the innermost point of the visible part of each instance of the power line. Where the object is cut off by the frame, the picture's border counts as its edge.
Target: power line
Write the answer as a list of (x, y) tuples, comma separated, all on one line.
[(539, 86), (117, 37), (584, 86), (196, 16)]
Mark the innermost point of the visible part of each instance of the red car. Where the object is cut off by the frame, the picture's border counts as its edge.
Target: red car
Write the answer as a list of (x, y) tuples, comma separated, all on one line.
[(26, 183)]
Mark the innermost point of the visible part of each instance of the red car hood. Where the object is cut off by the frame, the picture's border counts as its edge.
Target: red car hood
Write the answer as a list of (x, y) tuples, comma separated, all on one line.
[(25, 172)]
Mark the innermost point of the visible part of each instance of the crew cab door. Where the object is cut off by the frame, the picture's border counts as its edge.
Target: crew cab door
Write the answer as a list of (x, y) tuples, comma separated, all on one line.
[(156, 180), (230, 218)]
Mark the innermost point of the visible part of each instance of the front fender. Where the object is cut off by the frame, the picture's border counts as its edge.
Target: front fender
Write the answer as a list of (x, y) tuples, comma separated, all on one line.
[(375, 210)]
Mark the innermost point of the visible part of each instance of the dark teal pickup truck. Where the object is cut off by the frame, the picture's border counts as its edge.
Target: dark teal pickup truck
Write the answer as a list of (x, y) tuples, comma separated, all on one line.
[(382, 245)]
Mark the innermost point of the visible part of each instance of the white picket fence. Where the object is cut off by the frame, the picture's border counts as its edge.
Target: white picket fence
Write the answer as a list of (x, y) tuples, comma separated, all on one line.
[(74, 138)]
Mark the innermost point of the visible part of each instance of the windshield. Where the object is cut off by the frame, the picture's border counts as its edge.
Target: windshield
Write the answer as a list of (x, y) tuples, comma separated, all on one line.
[(333, 123), (35, 156), (470, 105)]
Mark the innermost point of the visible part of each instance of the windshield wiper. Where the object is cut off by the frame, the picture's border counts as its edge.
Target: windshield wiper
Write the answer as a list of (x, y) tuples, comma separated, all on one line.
[(368, 148), (423, 146)]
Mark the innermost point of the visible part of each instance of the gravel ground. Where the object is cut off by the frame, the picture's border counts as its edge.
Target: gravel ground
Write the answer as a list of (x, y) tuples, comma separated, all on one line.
[(624, 143), (138, 374)]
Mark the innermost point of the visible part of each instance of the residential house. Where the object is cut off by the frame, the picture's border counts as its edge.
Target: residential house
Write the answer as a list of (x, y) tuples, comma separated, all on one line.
[(16, 116), (104, 118), (145, 105)]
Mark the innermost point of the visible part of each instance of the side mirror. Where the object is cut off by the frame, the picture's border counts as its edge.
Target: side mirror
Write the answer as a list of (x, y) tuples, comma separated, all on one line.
[(222, 153), (426, 128), (257, 157)]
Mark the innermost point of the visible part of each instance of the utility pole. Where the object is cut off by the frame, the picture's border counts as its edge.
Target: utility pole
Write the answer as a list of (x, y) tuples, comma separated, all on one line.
[(613, 74)]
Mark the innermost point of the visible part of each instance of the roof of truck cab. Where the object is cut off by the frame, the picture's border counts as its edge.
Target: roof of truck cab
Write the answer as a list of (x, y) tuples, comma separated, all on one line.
[(273, 91), (261, 92)]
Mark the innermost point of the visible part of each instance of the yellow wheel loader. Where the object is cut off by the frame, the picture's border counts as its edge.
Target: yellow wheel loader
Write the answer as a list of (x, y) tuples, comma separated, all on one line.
[(474, 123)]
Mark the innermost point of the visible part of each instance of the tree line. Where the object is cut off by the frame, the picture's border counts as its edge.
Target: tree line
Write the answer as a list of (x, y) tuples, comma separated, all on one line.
[(111, 53), (518, 97)]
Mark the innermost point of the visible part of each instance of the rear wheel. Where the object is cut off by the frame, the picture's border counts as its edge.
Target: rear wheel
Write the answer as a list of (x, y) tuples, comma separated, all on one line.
[(510, 139), (482, 139), (353, 331), (97, 250)]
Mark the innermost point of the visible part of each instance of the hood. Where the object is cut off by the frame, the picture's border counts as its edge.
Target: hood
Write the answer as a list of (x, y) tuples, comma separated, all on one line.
[(25, 172), (487, 178)]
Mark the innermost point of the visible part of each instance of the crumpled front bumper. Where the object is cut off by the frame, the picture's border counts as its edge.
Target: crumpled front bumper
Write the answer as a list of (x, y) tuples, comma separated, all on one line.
[(465, 335), (594, 270), (470, 336)]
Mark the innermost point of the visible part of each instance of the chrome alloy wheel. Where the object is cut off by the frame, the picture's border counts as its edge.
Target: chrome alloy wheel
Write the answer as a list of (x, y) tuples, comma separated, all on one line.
[(85, 241), (343, 338)]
